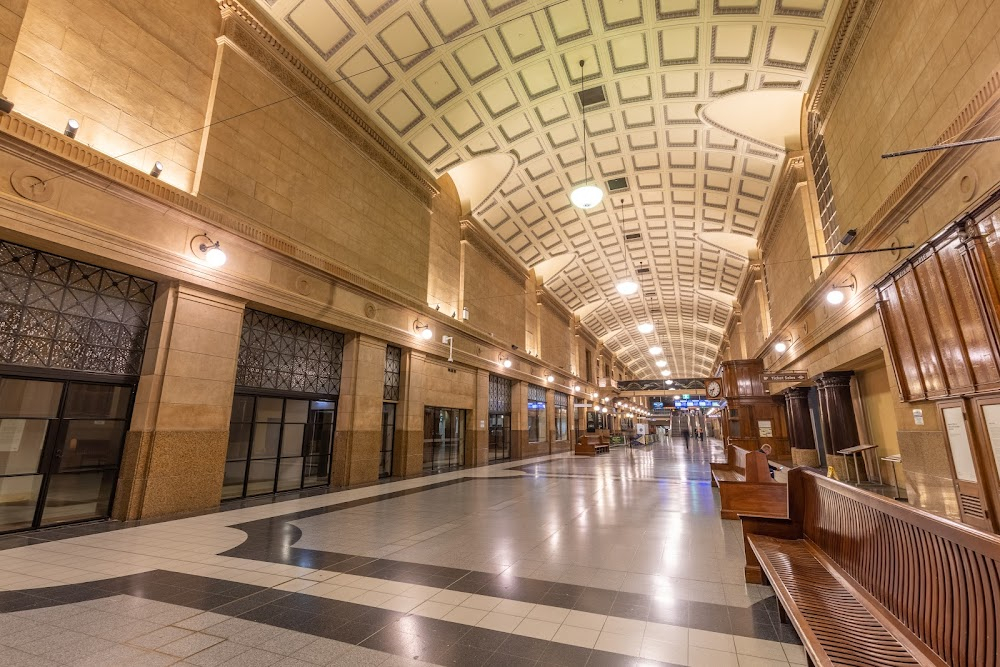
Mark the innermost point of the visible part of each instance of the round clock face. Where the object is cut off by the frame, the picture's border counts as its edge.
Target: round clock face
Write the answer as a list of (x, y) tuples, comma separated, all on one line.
[(714, 389)]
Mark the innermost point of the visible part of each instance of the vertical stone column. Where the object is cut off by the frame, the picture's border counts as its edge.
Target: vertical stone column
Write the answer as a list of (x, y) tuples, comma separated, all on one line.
[(11, 16), (357, 444), (840, 426), (478, 450), (800, 431), (175, 452), (518, 419), (410, 414)]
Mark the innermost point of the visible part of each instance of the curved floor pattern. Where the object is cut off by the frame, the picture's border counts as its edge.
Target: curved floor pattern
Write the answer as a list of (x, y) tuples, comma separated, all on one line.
[(618, 559)]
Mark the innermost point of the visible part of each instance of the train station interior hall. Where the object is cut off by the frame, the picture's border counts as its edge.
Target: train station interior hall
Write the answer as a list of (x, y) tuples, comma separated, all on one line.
[(488, 333)]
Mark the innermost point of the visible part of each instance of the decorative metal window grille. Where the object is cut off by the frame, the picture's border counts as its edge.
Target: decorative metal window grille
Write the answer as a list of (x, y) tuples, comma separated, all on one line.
[(561, 400), (500, 391), (393, 362), (285, 355), (824, 183), (60, 313), (536, 394)]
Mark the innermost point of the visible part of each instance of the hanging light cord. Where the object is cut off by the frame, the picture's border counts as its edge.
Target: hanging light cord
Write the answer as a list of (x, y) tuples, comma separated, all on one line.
[(583, 108)]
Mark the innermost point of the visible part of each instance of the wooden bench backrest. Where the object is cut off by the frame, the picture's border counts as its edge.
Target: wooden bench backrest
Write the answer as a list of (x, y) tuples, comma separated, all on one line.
[(736, 457), (940, 578), (589, 439), (755, 467)]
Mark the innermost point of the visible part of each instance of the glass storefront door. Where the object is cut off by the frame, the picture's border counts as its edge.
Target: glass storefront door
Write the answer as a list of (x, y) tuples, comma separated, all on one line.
[(278, 444), (499, 437), (388, 436), (444, 438), (60, 447)]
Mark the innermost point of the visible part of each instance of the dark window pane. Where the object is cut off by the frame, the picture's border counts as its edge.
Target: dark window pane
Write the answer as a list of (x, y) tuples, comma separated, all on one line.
[(291, 440), (265, 440), (91, 444), (239, 441), (232, 485), (21, 442), (261, 479), (269, 410), (317, 470), (77, 496), (96, 401), (242, 409), (320, 440), (29, 398), (290, 474), (296, 412), (18, 496)]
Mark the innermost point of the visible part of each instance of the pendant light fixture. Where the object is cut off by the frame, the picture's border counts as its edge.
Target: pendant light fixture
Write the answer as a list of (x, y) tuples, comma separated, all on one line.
[(627, 286), (585, 196)]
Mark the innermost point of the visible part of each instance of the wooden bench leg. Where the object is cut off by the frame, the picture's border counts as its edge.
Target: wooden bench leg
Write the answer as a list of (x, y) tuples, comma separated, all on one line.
[(782, 614)]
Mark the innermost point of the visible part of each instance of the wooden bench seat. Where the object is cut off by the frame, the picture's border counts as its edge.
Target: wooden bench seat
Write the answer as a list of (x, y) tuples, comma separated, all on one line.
[(746, 487), (868, 581), (592, 445)]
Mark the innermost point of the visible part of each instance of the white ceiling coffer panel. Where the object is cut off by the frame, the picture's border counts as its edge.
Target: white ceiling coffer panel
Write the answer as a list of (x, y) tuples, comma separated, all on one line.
[(455, 80)]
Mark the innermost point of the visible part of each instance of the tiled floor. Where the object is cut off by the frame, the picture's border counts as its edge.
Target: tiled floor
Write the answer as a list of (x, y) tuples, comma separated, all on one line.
[(619, 560)]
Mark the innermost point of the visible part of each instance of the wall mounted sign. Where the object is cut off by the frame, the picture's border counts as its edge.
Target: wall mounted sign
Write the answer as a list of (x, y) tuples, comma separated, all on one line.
[(785, 376), (918, 417), (765, 429)]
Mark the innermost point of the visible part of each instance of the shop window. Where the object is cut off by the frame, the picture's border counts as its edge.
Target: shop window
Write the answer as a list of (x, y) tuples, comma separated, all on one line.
[(536, 414), (500, 418), (561, 402), (393, 364)]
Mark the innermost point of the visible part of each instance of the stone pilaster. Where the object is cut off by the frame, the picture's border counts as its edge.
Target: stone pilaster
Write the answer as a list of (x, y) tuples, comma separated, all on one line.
[(358, 441), (477, 451), (175, 452), (410, 415), (519, 419)]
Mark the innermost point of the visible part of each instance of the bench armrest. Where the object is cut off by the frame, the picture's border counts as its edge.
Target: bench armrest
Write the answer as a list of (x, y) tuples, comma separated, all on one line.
[(784, 529)]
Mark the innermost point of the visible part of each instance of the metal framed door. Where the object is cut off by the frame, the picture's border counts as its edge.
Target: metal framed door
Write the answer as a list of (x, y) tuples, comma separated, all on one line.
[(388, 437), (500, 437)]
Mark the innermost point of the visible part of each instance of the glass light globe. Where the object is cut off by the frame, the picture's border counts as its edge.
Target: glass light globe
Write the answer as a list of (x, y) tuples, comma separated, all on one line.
[(655, 350), (426, 334), (661, 363), (215, 257), (646, 328), (627, 287), (550, 378), (576, 388), (506, 363), (586, 196), (835, 297), (780, 347)]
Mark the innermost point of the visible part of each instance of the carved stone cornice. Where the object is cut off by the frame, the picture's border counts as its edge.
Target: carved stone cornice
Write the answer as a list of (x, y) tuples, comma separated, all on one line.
[(492, 250), (247, 33), (549, 300), (856, 18), (585, 333), (792, 176)]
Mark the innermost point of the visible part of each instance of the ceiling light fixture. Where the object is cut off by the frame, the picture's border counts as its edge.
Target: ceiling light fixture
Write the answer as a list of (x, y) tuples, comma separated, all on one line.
[(661, 363), (585, 196), (655, 350), (423, 330), (209, 250), (646, 328)]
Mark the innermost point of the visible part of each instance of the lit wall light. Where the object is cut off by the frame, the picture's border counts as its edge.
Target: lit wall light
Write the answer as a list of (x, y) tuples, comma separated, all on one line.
[(836, 294), (576, 387), (655, 350), (550, 378), (594, 395), (422, 330), (157, 169), (504, 361), (208, 250), (72, 127), (782, 345), (646, 328)]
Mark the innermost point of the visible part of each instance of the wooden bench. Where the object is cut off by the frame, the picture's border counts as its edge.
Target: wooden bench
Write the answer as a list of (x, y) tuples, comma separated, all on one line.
[(869, 581), (592, 445), (746, 487)]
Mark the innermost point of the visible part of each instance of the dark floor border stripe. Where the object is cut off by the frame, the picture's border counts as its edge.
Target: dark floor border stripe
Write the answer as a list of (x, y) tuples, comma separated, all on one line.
[(405, 635)]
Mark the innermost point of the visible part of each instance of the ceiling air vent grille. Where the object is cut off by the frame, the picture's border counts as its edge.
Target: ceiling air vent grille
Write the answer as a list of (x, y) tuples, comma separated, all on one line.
[(617, 184), (642, 269), (591, 97), (635, 236)]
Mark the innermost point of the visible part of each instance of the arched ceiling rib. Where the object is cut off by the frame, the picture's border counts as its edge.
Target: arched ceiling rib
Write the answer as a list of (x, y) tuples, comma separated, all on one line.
[(452, 80)]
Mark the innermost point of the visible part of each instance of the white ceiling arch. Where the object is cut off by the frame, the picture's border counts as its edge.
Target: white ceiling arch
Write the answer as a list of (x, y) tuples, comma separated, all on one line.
[(454, 80)]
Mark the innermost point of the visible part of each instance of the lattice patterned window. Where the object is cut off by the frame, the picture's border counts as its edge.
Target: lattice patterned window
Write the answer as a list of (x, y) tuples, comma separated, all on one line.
[(537, 430), (285, 355), (500, 391), (393, 362), (824, 184), (60, 313)]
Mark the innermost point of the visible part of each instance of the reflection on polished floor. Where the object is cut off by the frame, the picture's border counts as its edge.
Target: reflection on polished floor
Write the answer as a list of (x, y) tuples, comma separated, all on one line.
[(616, 560)]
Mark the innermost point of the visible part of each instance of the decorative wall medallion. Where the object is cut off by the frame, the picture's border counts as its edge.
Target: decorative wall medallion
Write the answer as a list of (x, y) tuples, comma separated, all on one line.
[(32, 185), (370, 310), (968, 184), (303, 286)]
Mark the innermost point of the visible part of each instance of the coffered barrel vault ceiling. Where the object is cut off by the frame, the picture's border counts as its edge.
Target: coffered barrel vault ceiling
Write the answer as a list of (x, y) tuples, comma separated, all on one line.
[(454, 80)]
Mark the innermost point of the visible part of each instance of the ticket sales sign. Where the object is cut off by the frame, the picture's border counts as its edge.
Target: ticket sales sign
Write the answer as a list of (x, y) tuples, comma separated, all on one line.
[(785, 376)]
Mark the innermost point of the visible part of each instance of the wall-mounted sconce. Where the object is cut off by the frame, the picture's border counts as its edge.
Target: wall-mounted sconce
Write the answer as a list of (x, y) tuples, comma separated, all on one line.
[(594, 395), (604, 410), (156, 170), (208, 250), (72, 127), (782, 345), (450, 342), (576, 387), (836, 294), (505, 361), (550, 378), (422, 330), (465, 314)]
